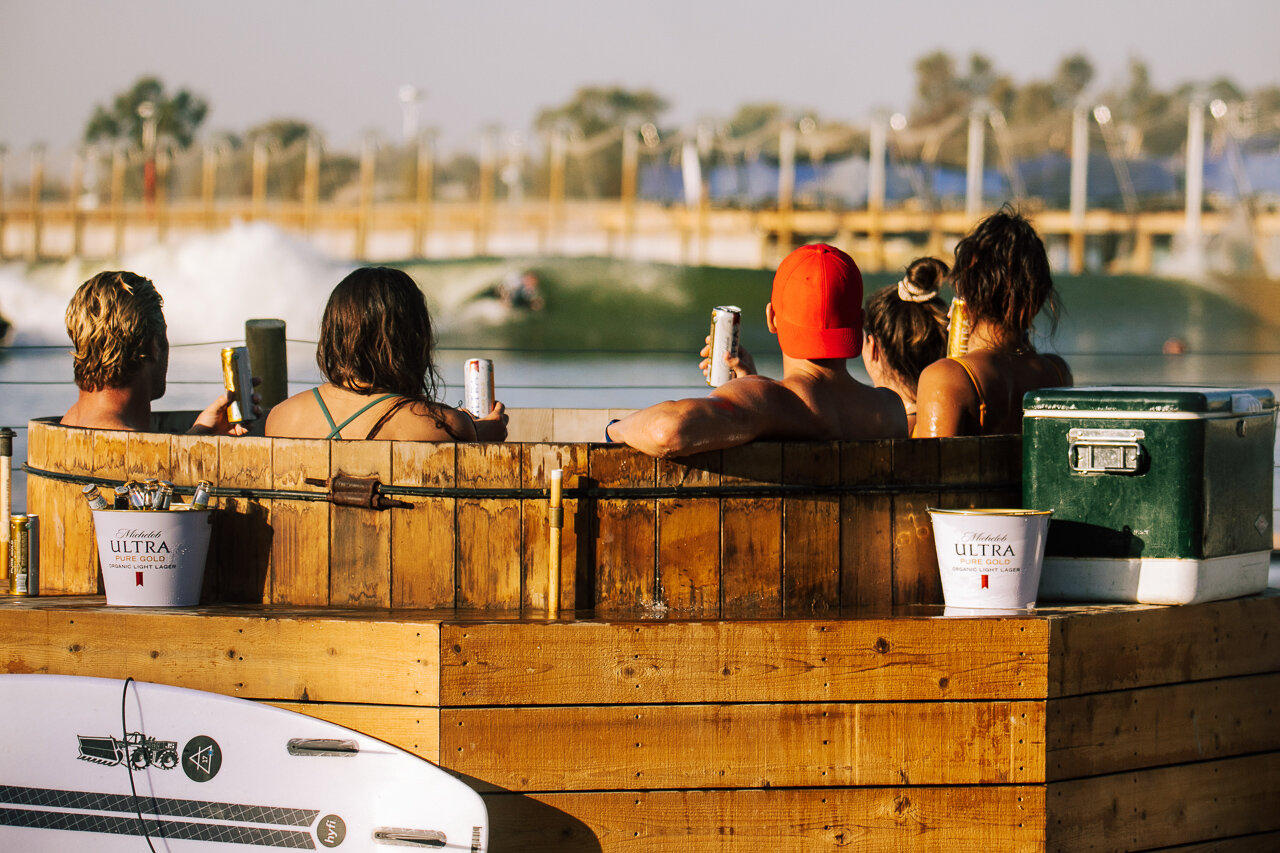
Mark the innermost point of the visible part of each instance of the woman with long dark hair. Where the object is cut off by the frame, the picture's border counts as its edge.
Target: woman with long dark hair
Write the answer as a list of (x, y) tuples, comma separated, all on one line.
[(375, 351), (1002, 274)]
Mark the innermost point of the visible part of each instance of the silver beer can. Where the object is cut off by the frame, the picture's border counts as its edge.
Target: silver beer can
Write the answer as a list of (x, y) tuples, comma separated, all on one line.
[(477, 383), (237, 378), (725, 322)]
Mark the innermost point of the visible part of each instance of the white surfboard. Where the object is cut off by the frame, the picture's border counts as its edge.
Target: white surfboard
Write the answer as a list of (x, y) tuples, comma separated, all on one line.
[(189, 771)]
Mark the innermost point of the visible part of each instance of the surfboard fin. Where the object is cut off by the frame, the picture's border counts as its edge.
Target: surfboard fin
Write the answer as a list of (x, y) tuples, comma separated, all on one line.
[(322, 746)]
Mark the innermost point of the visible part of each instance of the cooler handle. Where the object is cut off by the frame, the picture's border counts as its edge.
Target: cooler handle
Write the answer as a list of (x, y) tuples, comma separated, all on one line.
[(1105, 451)]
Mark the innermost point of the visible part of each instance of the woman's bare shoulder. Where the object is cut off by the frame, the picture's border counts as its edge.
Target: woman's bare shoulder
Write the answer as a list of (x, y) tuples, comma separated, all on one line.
[(419, 420)]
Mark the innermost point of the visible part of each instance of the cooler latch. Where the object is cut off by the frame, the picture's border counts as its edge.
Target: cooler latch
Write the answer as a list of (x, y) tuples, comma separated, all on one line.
[(1105, 451)]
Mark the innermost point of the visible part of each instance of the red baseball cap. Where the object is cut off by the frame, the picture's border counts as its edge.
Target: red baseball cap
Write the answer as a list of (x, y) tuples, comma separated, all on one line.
[(817, 303)]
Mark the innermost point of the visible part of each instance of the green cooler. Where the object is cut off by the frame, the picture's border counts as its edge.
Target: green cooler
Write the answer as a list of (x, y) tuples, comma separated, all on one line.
[(1160, 495)]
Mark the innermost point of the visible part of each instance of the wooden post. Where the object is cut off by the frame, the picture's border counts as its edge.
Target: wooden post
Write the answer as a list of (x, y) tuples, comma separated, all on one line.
[(630, 163), (1079, 187), (163, 160), (37, 190), (368, 160), (311, 184), (488, 155), (73, 203), (208, 183), (422, 218), (118, 155), (266, 342), (259, 200), (786, 186), (555, 185), (555, 525)]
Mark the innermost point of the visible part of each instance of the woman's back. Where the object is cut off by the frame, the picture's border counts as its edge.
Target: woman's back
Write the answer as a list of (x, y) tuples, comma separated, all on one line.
[(980, 393), (333, 412)]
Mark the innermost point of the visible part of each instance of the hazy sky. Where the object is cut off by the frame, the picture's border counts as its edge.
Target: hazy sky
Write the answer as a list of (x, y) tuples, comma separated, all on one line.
[(339, 65)]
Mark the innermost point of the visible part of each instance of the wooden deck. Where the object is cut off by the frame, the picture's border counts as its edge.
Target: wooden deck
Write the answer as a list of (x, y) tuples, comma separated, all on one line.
[(1084, 728)]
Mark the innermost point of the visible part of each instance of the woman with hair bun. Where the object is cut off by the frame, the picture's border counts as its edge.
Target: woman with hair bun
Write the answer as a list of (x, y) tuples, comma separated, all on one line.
[(905, 326), (1002, 274), (375, 350)]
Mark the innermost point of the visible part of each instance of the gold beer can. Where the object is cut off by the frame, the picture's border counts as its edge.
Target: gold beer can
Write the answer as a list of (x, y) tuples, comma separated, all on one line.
[(19, 555), (237, 378), (958, 328)]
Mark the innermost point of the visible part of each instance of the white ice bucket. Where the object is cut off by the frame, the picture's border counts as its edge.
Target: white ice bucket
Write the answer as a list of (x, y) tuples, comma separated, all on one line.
[(990, 558), (153, 558)]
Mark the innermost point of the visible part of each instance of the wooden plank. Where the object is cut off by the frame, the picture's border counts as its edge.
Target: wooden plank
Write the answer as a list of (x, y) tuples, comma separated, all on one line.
[(68, 549), (240, 550), (300, 529), (424, 538), (1182, 804), (866, 526), (769, 661), (811, 530), (537, 463), (960, 464), (148, 456), (1173, 724), (781, 820), (630, 747), (689, 538), (413, 729), (1266, 842), (1119, 648), (625, 532), (489, 528), (360, 538), (751, 533), (195, 458), (110, 452), (1000, 460), (530, 425), (915, 560), (260, 654)]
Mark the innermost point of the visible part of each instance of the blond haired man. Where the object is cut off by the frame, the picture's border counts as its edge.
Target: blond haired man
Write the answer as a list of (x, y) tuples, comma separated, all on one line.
[(121, 358)]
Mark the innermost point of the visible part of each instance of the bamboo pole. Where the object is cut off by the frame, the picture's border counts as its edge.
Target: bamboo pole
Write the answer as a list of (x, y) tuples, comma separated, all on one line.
[(556, 524), (6, 504)]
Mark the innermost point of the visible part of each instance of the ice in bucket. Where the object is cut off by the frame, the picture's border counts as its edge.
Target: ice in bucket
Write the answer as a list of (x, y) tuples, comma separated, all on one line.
[(153, 558), (990, 558)]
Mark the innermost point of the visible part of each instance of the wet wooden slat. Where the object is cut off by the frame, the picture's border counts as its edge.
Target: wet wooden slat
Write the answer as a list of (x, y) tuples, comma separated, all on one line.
[(240, 548), (866, 526), (689, 538), (195, 458), (360, 538), (746, 746), (300, 529), (149, 456), (751, 535), (915, 560), (626, 530), (423, 538), (811, 530), (489, 528)]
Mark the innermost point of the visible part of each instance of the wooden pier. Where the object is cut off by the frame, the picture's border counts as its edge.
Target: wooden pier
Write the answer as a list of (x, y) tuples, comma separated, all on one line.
[(1084, 728)]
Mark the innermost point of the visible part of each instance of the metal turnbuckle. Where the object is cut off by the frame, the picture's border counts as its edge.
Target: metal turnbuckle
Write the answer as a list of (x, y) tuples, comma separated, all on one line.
[(364, 492)]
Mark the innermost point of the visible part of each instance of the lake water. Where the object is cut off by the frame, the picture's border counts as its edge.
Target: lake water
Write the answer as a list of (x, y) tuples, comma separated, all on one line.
[(613, 333)]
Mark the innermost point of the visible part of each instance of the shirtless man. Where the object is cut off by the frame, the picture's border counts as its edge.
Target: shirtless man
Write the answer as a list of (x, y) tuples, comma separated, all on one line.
[(121, 358), (816, 312)]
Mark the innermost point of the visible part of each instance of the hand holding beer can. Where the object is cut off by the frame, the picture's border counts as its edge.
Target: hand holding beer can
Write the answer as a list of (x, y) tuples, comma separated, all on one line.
[(477, 386), (725, 322), (237, 378)]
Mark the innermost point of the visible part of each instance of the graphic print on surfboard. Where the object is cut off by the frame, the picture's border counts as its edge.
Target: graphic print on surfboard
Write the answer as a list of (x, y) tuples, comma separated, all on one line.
[(250, 775)]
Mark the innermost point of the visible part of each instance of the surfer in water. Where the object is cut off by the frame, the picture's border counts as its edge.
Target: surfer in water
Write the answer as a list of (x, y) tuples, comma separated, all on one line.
[(121, 358), (816, 312)]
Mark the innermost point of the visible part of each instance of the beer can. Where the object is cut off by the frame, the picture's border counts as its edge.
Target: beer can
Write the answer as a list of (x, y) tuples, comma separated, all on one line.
[(200, 499), (478, 386), (19, 555), (958, 328), (237, 377), (725, 322), (94, 497)]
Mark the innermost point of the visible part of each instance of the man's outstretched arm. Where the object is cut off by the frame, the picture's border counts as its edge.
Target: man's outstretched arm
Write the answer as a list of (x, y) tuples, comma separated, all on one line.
[(735, 413)]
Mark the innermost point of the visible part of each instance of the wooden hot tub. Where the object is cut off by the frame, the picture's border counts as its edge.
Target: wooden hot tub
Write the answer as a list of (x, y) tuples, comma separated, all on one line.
[(770, 529)]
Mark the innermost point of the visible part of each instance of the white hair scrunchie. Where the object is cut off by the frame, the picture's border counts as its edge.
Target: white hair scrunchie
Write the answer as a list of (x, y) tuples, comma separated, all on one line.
[(910, 292)]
